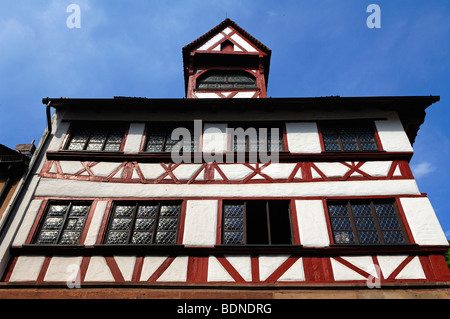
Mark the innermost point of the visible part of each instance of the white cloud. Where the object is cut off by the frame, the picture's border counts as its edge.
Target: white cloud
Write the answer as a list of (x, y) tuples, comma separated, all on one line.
[(422, 169)]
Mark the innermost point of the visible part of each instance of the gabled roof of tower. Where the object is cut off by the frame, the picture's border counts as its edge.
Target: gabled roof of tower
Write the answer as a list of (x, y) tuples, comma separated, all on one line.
[(253, 47), (225, 23)]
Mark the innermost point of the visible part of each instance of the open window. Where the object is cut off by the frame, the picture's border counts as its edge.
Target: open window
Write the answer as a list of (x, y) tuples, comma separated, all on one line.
[(257, 222)]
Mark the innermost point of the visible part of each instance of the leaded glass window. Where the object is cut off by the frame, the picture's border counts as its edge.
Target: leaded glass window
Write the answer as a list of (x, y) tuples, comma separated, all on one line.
[(159, 139), (365, 222), (63, 223), (226, 80), (96, 137), (257, 222), (257, 137), (349, 137), (141, 223)]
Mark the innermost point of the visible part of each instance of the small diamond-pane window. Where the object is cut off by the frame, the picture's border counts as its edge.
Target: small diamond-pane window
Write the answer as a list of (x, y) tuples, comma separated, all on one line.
[(63, 223), (96, 137), (144, 223), (365, 222), (348, 137)]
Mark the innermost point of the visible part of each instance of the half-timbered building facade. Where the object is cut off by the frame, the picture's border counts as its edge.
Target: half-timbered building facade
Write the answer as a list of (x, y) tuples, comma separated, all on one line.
[(322, 199)]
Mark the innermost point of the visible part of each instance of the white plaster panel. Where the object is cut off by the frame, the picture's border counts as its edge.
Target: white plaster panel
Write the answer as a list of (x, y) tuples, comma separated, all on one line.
[(243, 43), (268, 264), (134, 138), (235, 172), (59, 136), (362, 262), (177, 271), (242, 264), (312, 223), (377, 168), (392, 135), (413, 270), (303, 137), (126, 266), (150, 265), (279, 170), (186, 171), (331, 169), (96, 223), (71, 167), (342, 272), (27, 222), (208, 44), (215, 138), (294, 273), (98, 270), (63, 269), (423, 222), (247, 94), (27, 268), (216, 272), (151, 171), (104, 169), (389, 263), (200, 224), (75, 188), (207, 95)]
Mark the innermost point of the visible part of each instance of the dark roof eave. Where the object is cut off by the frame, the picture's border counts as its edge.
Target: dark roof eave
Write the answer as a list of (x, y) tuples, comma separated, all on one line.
[(393, 102)]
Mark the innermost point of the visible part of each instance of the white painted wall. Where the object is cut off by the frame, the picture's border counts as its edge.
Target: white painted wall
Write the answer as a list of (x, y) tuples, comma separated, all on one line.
[(303, 137), (312, 224), (134, 138), (423, 222), (74, 188), (200, 223), (392, 135)]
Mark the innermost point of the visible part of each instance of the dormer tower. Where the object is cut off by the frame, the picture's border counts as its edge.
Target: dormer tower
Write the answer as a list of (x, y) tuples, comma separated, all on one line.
[(226, 62)]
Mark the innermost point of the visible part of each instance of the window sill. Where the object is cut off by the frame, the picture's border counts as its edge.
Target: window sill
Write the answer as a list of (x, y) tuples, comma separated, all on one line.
[(177, 250)]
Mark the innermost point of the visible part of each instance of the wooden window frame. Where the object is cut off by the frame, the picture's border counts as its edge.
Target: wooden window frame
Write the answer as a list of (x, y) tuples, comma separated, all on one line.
[(379, 231), (136, 204), (167, 128), (257, 126), (353, 124), (245, 222), (74, 126), (226, 74), (40, 224)]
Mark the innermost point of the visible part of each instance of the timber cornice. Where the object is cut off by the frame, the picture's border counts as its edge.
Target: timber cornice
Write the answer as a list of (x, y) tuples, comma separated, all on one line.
[(198, 157)]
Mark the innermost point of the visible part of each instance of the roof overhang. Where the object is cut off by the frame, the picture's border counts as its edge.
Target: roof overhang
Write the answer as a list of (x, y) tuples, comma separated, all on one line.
[(411, 109)]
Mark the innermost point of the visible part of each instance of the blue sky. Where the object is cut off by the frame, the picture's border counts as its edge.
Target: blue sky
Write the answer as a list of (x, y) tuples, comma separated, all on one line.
[(319, 48)]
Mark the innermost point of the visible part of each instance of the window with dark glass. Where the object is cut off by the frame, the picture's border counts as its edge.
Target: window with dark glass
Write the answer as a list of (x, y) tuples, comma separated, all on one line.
[(63, 223), (256, 137), (96, 137), (226, 80), (349, 137), (366, 222), (159, 139), (140, 223), (258, 222)]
